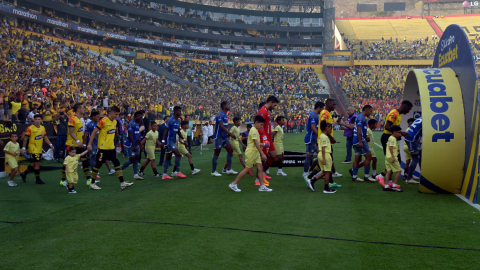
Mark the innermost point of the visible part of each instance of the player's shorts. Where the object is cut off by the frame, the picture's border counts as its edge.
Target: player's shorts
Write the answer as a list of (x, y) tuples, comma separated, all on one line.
[(12, 162), (37, 157), (312, 148), (414, 147), (72, 177), (131, 153), (221, 143), (252, 157), (79, 151), (183, 151), (408, 156), (150, 153), (372, 151), (279, 148), (361, 151), (236, 149), (103, 155), (327, 167), (394, 167), (94, 150), (170, 147)]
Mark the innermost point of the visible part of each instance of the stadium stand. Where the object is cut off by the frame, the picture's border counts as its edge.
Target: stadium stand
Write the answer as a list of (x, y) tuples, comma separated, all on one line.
[(471, 24)]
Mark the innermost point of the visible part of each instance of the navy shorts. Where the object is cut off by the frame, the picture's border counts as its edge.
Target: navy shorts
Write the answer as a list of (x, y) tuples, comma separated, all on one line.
[(414, 147), (170, 147), (311, 148), (220, 142), (361, 151), (130, 152)]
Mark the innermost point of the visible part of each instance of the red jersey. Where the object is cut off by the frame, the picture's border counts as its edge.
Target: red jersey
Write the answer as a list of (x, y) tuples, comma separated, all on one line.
[(266, 130)]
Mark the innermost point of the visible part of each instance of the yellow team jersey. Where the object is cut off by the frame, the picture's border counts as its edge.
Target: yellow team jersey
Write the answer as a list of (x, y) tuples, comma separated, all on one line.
[(278, 138), (47, 115), (325, 115), (392, 141), (370, 135), (252, 135), (152, 137), (77, 125), (106, 135), (12, 148), (235, 131), (395, 117), (184, 135), (324, 141), (72, 163), (35, 140)]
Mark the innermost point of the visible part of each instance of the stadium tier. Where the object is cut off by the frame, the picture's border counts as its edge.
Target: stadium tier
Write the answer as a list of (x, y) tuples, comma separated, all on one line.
[(471, 24), (377, 29), (183, 31)]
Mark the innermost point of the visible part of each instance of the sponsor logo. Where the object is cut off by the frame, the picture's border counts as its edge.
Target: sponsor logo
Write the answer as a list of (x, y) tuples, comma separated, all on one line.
[(111, 131), (200, 48), (254, 52), (117, 36), (310, 54), (174, 45), (227, 50), (59, 23), (25, 14), (448, 57), (80, 129), (439, 104), (142, 40), (38, 137), (446, 42), (417, 102), (417, 114), (87, 30), (282, 53)]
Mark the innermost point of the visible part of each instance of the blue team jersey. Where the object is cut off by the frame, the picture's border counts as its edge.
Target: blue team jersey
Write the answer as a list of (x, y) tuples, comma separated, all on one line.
[(310, 136), (415, 131), (134, 128), (173, 126), (89, 129), (360, 123), (221, 117)]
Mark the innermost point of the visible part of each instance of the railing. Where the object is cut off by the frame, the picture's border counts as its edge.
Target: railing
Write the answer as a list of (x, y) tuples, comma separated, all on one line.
[(337, 91)]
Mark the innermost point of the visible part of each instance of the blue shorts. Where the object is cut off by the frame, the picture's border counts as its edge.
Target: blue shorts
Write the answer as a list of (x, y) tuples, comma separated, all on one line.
[(220, 142), (414, 147), (359, 151), (170, 147), (94, 150), (311, 148), (130, 152)]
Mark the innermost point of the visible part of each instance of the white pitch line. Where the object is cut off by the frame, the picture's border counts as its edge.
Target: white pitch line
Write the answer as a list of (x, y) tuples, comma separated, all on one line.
[(476, 206)]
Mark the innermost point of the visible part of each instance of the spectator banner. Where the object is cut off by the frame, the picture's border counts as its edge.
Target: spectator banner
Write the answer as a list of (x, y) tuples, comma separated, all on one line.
[(37, 17), (125, 53), (369, 7), (397, 6), (449, 94)]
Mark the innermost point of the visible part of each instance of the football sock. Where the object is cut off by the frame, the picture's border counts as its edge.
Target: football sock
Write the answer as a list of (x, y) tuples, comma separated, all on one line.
[(166, 164), (327, 187), (191, 167), (229, 161), (374, 172), (355, 172), (306, 165), (135, 167), (155, 172), (177, 163), (37, 174), (367, 171), (214, 163)]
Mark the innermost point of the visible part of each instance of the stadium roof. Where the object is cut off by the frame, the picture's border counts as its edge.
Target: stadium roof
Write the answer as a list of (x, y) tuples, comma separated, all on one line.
[(264, 5)]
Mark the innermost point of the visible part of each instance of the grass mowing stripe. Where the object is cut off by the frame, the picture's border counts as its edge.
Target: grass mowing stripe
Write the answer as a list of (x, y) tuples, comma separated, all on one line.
[(274, 233)]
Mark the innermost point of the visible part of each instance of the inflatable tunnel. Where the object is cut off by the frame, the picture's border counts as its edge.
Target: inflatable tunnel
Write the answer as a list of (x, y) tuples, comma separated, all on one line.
[(446, 96)]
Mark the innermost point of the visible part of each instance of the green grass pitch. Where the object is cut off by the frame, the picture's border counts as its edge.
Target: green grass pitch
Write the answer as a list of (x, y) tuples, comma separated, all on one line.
[(145, 226)]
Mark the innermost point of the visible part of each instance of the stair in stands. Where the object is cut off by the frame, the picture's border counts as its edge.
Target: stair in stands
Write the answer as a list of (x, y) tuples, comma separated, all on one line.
[(435, 27), (161, 71)]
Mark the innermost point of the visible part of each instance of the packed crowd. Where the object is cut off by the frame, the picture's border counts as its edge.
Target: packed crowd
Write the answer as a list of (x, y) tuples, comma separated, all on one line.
[(391, 49), (379, 86), (51, 77)]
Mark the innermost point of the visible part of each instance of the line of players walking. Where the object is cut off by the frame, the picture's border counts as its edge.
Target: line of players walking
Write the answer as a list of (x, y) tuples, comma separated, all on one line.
[(96, 146)]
